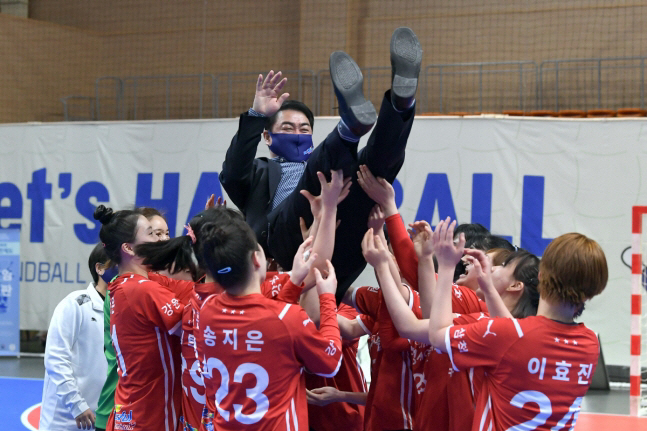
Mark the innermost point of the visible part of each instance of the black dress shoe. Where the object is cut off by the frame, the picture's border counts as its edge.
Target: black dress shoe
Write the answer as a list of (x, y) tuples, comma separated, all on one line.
[(406, 58), (357, 113)]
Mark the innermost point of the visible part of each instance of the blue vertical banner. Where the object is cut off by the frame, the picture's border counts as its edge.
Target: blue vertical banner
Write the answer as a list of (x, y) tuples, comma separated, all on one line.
[(9, 292)]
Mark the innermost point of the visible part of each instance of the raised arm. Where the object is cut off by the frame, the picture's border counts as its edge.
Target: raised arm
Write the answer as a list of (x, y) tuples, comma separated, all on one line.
[(324, 212), (238, 167), (320, 351), (483, 267), (426, 271), (403, 318), (376, 222), (448, 255), (381, 191)]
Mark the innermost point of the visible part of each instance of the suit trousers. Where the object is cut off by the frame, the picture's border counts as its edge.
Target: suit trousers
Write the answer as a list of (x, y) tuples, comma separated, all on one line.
[(384, 156)]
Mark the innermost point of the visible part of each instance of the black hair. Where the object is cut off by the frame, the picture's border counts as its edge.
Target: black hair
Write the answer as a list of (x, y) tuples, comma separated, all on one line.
[(226, 249), (98, 255), (478, 241), (180, 254), (483, 242), (118, 228), (500, 242), (526, 270), (470, 229), (150, 212), (292, 105)]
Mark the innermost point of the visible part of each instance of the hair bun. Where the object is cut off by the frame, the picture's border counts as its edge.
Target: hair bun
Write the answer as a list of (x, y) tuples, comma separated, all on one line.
[(103, 214), (214, 233)]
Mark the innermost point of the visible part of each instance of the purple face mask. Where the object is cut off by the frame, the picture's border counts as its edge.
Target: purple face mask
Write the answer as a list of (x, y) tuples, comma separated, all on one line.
[(294, 147)]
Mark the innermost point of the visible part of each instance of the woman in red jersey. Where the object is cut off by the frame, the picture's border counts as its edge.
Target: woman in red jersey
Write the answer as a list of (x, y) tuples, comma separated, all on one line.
[(253, 349), (447, 404), (143, 314), (181, 255), (537, 369)]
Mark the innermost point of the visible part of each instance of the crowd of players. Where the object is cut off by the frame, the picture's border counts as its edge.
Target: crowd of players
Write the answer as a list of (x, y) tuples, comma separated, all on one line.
[(203, 333)]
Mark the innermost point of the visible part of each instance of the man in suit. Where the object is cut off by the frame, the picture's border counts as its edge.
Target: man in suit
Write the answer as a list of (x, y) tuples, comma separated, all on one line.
[(268, 191)]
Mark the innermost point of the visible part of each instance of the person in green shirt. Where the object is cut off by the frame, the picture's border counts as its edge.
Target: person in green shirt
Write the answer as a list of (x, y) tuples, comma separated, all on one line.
[(107, 397)]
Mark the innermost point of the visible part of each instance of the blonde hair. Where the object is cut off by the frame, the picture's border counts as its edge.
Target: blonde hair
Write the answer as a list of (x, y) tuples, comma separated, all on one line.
[(572, 270)]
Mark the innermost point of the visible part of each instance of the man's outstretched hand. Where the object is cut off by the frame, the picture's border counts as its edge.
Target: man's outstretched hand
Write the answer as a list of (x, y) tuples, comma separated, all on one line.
[(268, 98)]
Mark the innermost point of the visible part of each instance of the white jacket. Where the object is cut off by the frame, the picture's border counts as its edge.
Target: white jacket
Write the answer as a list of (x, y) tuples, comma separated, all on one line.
[(75, 365)]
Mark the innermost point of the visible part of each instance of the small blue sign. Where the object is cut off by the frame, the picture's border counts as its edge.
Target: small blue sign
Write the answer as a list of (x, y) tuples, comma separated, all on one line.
[(9, 292)]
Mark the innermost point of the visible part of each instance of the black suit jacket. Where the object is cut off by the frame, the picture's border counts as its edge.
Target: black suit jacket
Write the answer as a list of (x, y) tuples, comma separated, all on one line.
[(250, 182)]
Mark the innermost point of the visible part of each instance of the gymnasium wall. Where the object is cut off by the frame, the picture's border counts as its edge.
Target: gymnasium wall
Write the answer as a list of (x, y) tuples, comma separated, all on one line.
[(66, 44)]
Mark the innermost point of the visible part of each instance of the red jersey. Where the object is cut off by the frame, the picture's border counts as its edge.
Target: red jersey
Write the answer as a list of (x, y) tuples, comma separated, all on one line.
[(193, 400), (366, 301), (537, 370), (253, 350), (143, 313), (276, 285), (350, 378), (448, 405), (392, 393)]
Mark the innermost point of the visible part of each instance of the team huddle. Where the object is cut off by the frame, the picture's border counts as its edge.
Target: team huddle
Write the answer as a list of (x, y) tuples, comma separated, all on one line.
[(251, 319)]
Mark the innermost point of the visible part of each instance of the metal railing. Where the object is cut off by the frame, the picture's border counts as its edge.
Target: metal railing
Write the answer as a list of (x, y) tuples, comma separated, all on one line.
[(472, 87), (569, 83), (497, 86), (156, 97)]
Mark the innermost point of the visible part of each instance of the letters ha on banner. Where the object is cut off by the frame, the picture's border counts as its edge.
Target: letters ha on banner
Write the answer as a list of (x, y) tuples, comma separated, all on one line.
[(527, 179)]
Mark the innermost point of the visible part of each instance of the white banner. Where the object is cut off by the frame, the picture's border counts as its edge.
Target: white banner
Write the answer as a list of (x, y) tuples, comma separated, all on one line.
[(530, 179)]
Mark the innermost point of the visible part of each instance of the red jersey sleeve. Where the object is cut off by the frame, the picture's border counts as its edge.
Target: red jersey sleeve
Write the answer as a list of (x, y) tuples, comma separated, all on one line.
[(367, 323), (405, 253), (182, 289), (157, 304), (481, 344), (389, 337), (465, 301), (278, 286), (320, 351), (366, 300)]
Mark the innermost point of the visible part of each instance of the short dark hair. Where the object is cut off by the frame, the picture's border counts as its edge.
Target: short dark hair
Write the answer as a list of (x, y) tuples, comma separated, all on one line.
[(470, 229), (227, 249), (292, 105), (480, 241), (98, 255), (118, 228)]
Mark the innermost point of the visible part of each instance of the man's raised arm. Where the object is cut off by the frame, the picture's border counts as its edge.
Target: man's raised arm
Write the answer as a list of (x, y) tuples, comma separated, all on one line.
[(238, 167)]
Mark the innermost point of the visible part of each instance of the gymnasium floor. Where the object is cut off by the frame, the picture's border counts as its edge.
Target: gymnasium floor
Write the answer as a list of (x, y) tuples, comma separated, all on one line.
[(21, 383)]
